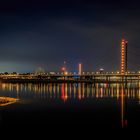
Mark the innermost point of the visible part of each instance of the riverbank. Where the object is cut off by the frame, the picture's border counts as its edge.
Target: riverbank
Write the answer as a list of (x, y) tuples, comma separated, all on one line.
[(7, 100)]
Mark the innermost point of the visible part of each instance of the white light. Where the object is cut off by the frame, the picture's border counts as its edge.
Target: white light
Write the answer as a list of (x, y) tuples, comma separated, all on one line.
[(101, 69)]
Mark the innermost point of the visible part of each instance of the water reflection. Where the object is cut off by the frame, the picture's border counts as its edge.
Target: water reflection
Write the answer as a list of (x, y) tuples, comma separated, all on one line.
[(123, 109), (81, 91)]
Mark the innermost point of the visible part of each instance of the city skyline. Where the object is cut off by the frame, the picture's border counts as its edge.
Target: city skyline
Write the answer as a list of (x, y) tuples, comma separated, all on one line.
[(47, 33)]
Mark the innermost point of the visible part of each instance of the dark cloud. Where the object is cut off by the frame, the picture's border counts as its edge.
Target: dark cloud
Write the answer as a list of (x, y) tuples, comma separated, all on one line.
[(46, 33)]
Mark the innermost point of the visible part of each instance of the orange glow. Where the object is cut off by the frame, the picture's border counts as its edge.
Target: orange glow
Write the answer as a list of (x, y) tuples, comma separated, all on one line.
[(80, 68), (123, 57), (79, 92), (7, 100), (122, 107), (124, 122), (101, 92), (66, 73)]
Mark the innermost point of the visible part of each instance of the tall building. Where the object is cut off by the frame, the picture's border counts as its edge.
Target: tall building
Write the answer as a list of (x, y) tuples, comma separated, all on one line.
[(80, 68), (124, 56)]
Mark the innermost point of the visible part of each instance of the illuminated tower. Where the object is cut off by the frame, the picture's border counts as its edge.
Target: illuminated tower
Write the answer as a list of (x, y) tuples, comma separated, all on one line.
[(80, 68), (124, 56), (64, 67)]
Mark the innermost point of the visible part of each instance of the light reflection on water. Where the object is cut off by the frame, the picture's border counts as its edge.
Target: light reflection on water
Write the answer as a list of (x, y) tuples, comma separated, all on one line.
[(67, 91), (81, 91)]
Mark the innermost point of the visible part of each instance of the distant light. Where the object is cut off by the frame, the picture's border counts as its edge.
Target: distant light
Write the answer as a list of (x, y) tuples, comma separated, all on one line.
[(80, 68), (63, 68), (66, 73), (101, 69)]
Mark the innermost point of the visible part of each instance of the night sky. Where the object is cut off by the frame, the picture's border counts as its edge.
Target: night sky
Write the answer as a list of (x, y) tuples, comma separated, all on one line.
[(37, 33)]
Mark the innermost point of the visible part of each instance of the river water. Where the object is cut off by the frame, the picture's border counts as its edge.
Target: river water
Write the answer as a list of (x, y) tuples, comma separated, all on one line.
[(97, 105)]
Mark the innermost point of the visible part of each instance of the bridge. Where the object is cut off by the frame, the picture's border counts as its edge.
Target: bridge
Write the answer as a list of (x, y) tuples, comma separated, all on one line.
[(93, 77), (87, 77)]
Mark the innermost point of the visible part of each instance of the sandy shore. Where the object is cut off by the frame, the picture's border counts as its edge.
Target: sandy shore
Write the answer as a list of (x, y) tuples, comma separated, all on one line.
[(7, 100)]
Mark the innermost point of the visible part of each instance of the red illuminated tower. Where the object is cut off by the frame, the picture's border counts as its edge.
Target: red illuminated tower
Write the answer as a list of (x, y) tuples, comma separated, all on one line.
[(124, 56)]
